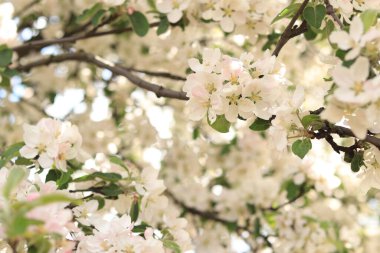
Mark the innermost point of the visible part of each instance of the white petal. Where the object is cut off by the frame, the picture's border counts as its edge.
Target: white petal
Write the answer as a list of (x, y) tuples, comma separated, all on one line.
[(174, 16), (356, 28), (31, 135), (28, 152), (231, 113), (246, 105), (196, 110), (227, 24), (353, 53), (207, 14), (358, 126), (361, 69), (165, 6), (342, 76), (195, 65), (342, 39), (45, 161)]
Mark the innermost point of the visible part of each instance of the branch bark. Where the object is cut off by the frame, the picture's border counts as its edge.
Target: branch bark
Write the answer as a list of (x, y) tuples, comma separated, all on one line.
[(81, 56), (330, 11), (38, 44), (292, 31)]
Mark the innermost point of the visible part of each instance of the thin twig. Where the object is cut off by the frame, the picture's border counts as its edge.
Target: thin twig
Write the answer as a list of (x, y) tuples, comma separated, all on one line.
[(38, 44), (292, 31), (81, 56), (330, 11), (159, 74)]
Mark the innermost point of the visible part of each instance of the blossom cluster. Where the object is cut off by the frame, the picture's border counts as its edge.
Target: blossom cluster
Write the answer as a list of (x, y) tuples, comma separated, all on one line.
[(99, 206), (233, 87), (357, 93), (250, 16), (52, 141)]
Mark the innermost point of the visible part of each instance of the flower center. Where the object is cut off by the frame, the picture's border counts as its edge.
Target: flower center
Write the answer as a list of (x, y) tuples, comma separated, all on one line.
[(358, 88)]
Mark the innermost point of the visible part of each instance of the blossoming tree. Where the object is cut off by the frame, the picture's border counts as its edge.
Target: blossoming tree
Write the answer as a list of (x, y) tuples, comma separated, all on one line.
[(190, 126)]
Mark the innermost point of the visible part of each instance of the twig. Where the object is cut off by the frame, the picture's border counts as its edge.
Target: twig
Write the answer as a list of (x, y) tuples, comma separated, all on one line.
[(38, 44), (159, 74), (81, 56), (301, 193), (330, 11), (292, 31)]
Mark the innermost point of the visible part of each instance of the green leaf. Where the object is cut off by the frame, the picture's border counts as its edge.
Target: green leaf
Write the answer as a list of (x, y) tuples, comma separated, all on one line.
[(140, 228), (98, 17), (5, 82), (312, 120), (16, 175), (257, 227), (134, 210), (101, 201), (111, 190), (329, 28), (9, 153), (17, 226), (172, 245), (292, 190), (53, 175), (116, 160), (221, 124), (23, 161), (310, 34), (46, 200), (152, 4), (139, 23), (88, 13), (64, 180), (5, 55), (106, 176), (314, 15), (288, 12), (301, 147), (251, 208), (163, 26), (260, 124), (196, 132), (369, 18), (357, 161), (10, 72), (42, 245)]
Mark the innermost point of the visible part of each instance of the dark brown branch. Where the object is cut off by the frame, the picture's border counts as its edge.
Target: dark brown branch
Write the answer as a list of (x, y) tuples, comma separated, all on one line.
[(159, 74), (159, 90), (330, 11), (328, 129), (292, 31), (212, 216), (38, 44)]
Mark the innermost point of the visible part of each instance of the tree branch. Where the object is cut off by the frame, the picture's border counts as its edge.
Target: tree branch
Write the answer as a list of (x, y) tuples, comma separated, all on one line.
[(292, 31), (159, 74), (38, 44), (81, 56), (330, 11)]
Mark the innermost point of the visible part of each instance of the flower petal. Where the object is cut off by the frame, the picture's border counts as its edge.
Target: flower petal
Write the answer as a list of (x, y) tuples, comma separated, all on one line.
[(174, 16), (342, 39), (356, 29), (360, 69), (28, 152), (227, 24), (45, 161)]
